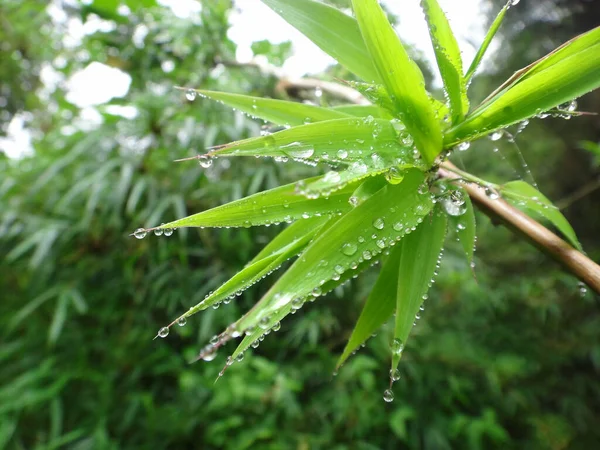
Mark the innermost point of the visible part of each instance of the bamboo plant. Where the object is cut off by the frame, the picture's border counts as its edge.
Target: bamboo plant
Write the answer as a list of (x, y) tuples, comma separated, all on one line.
[(391, 194)]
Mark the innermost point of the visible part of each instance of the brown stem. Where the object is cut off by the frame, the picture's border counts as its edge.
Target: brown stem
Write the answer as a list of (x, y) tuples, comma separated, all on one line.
[(573, 260)]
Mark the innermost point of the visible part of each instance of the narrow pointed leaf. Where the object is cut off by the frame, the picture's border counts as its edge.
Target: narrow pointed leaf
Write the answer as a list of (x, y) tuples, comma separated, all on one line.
[(363, 111), (282, 204), (529, 199), (279, 315), (448, 57), (465, 228), (485, 44), (420, 252), (561, 76), (401, 77), (387, 215), (286, 245), (343, 141), (280, 112), (336, 33), (378, 308)]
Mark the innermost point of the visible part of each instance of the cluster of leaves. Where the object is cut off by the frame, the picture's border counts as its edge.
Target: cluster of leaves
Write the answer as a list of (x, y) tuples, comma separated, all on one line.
[(78, 369), (384, 188)]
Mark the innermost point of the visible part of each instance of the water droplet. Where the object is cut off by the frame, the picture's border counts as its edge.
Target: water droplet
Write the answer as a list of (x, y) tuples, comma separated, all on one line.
[(394, 375), (205, 161), (463, 146), (316, 292), (379, 223), (398, 226), (168, 231), (394, 176), (582, 289), (491, 194), (264, 323), (163, 332), (381, 244), (190, 94), (332, 177), (496, 135), (255, 344), (209, 356), (572, 106), (514, 2), (367, 255), (159, 231), (140, 233), (388, 395), (353, 200), (342, 154), (276, 326), (454, 203), (339, 269), (181, 321), (397, 346), (358, 167), (349, 248), (240, 357)]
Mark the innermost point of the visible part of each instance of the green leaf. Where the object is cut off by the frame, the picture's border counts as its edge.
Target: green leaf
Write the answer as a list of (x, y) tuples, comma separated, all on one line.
[(465, 227), (387, 215), (563, 75), (330, 29), (420, 252), (485, 44), (280, 112), (343, 141), (363, 111), (378, 308), (448, 58), (402, 78), (284, 246), (526, 197), (282, 204)]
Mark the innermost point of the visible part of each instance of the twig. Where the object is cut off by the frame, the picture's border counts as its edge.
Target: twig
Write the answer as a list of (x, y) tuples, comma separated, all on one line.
[(573, 260), (583, 191)]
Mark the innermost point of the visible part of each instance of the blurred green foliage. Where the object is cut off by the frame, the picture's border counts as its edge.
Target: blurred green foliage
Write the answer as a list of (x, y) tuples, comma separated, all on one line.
[(509, 360)]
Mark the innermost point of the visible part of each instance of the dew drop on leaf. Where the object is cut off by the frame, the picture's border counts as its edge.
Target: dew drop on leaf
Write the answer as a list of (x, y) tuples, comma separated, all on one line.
[(397, 346), (190, 94), (140, 233), (388, 395), (379, 223), (181, 321), (168, 231), (163, 332), (349, 249), (394, 375)]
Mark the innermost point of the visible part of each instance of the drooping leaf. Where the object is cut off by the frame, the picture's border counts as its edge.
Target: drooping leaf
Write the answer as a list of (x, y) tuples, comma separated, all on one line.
[(336, 33), (419, 256), (386, 215), (342, 141), (561, 76), (282, 204), (280, 112), (401, 77), (465, 228), (526, 197), (379, 307), (485, 44), (448, 58), (284, 246)]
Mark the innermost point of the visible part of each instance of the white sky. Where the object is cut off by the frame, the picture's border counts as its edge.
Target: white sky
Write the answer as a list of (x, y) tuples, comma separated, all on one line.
[(253, 21)]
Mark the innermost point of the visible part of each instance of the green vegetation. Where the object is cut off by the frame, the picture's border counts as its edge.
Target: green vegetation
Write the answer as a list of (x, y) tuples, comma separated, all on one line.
[(507, 360)]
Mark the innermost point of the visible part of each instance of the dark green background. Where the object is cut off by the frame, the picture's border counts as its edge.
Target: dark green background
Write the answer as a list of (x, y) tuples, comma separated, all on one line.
[(510, 360)]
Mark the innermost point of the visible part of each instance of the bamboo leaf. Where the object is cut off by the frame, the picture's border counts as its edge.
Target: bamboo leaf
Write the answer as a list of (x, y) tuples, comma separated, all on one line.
[(420, 252), (343, 141), (282, 204), (280, 112), (286, 245), (485, 44), (378, 308), (448, 58), (363, 111), (557, 78), (401, 77), (336, 33), (526, 197), (387, 215), (465, 227)]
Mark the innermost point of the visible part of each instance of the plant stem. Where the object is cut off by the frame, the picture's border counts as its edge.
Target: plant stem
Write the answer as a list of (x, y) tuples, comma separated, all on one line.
[(573, 260)]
